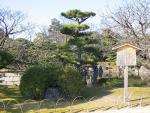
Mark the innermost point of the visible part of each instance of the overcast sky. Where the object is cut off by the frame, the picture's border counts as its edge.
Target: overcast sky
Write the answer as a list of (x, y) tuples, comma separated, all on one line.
[(42, 11)]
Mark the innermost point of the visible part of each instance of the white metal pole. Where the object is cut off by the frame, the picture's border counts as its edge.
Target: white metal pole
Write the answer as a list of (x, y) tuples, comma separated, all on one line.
[(126, 84)]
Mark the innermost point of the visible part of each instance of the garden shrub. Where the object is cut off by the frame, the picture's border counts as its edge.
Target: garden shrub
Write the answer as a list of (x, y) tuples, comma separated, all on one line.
[(71, 82), (37, 79)]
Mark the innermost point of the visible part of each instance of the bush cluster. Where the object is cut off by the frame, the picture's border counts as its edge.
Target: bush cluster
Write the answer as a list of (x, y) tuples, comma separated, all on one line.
[(37, 79)]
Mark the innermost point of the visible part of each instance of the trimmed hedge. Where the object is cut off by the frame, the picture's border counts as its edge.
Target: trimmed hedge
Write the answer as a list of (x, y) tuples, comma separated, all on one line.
[(37, 79), (71, 82)]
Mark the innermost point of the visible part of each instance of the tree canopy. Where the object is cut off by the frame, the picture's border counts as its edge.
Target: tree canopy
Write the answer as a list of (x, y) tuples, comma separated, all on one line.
[(78, 15)]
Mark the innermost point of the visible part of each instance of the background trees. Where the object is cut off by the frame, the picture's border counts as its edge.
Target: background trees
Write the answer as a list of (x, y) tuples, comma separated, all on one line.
[(108, 39), (13, 23), (131, 21)]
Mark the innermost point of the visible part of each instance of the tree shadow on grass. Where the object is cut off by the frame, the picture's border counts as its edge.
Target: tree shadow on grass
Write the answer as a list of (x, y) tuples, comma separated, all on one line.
[(90, 92)]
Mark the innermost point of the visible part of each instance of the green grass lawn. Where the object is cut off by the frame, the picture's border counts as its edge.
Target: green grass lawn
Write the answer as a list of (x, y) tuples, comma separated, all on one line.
[(105, 98), (10, 92)]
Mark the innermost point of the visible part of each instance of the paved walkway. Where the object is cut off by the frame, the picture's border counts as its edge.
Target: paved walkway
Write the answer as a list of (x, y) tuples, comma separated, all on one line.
[(128, 110)]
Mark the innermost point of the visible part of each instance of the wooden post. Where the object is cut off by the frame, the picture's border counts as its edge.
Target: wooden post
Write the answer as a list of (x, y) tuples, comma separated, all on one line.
[(126, 84)]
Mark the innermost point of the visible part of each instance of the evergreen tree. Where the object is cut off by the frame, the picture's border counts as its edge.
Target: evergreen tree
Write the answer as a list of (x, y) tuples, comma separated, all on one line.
[(80, 48)]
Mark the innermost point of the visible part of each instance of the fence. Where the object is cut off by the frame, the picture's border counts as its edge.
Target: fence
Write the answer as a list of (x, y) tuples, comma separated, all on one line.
[(78, 104)]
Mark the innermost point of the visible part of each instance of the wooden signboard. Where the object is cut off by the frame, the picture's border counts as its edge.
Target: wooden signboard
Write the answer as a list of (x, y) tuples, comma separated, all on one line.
[(126, 56)]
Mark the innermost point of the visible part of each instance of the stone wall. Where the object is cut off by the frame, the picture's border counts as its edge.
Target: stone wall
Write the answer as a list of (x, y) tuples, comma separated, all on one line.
[(10, 78)]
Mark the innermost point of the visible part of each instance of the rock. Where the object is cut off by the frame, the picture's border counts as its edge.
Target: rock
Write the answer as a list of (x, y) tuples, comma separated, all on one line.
[(53, 94), (145, 74)]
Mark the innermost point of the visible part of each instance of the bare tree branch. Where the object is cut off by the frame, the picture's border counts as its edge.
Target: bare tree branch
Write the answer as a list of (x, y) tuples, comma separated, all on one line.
[(132, 20), (11, 23)]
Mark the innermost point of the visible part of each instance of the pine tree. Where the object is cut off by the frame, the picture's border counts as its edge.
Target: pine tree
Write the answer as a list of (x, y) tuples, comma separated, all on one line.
[(80, 45)]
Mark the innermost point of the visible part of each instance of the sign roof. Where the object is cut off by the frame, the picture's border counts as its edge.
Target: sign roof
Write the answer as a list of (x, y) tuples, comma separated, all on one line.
[(126, 45)]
